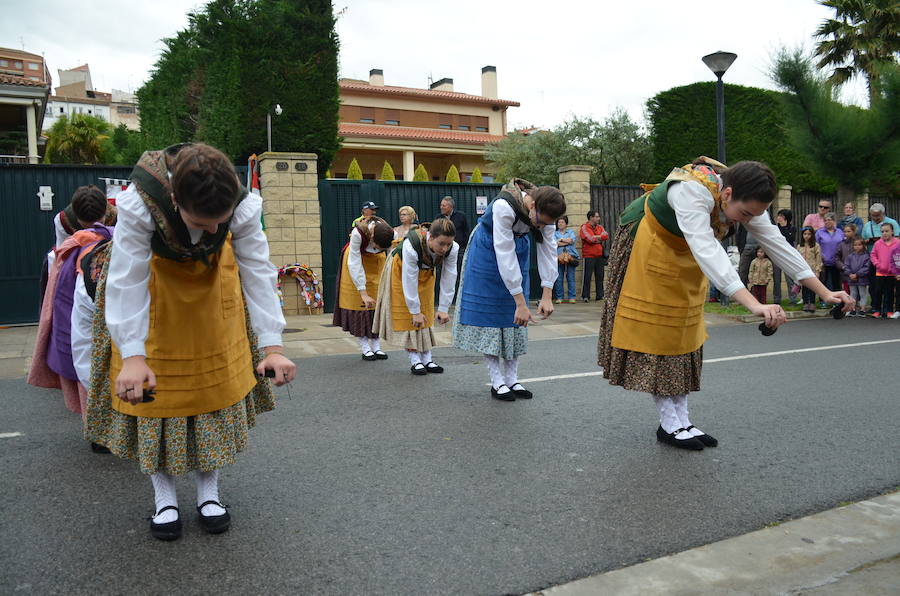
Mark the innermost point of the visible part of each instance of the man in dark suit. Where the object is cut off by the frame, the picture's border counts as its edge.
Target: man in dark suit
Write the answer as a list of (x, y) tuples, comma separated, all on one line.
[(462, 231)]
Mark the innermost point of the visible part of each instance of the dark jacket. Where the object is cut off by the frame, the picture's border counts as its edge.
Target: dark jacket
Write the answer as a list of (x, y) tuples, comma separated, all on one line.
[(462, 228), (858, 264)]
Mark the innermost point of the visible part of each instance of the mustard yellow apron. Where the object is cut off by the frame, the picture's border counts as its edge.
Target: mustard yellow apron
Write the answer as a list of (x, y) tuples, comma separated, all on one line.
[(660, 309), (197, 344), (400, 315), (372, 263)]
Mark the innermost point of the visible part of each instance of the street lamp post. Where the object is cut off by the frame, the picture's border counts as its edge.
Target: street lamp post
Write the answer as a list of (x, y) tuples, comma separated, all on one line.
[(278, 111), (719, 63)]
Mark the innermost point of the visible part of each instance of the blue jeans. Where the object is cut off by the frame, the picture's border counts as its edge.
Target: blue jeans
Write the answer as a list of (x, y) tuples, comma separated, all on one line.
[(568, 270)]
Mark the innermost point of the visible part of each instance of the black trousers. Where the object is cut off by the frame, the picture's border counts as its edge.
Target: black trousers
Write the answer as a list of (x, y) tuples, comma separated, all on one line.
[(882, 289), (593, 268)]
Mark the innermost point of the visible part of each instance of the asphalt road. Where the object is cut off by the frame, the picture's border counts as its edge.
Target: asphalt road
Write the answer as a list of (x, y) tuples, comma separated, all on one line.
[(369, 480)]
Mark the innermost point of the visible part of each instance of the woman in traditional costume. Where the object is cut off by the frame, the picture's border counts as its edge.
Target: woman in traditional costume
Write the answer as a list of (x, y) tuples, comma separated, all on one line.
[(362, 260), (192, 314), (667, 245), (493, 293), (404, 311)]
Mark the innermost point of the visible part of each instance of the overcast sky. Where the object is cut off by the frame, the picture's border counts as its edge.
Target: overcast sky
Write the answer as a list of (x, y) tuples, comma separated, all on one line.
[(555, 58)]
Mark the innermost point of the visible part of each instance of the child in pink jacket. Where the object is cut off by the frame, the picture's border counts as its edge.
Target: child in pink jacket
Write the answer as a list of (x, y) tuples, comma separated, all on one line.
[(886, 258)]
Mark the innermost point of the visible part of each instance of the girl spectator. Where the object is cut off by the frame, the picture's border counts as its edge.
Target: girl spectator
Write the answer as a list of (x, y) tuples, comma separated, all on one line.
[(856, 269), (783, 219), (493, 304), (845, 250), (567, 256), (760, 275), (809, 250), (885, 273), (829, 239)]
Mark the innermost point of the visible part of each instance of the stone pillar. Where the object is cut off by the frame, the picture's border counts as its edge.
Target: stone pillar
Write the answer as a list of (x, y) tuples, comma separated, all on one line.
[(575, 184), (409, 165), (31, 126), (862, 208), (783, 200), (290, 192)]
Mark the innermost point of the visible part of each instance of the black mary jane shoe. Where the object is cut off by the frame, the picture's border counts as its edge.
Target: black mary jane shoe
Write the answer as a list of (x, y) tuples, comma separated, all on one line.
[(521, 393), (169, 530), (379, 355), (669, 438), (434, 368), (418, 369), (707, 440), (214, 524), (98, 448), (369, 356), (508, 396)]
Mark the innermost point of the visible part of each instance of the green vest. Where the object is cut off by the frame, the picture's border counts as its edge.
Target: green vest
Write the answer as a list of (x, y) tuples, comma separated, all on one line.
[(659, 205)]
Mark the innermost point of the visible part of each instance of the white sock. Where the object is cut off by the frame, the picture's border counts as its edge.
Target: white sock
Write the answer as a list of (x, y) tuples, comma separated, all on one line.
[(668, 418), (414, 358), (364, 344), (493, 366), (208, 490), (681, 410), (511, 374), (375, 344), (426, 357), (164, 494)]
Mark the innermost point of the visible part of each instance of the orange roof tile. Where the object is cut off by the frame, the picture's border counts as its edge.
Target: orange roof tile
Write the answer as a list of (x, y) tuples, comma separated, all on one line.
[(416, 134), (451, 96), (14, 80)]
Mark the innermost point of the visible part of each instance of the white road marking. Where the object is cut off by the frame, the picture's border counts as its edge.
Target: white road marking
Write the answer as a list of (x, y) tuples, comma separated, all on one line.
[(10, 435), (725, 359)]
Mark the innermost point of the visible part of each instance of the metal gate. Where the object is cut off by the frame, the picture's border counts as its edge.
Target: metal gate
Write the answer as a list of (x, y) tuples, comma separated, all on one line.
[(26, 232)]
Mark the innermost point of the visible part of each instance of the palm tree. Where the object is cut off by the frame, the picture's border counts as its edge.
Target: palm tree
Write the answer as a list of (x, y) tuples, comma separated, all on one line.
[(78, 139), (864, 35)]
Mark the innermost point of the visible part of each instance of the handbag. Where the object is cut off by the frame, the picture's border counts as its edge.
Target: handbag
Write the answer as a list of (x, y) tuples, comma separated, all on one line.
[(564, 258)]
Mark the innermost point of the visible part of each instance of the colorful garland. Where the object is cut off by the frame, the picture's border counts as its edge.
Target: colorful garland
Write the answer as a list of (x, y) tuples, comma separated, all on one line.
[(307, 281)]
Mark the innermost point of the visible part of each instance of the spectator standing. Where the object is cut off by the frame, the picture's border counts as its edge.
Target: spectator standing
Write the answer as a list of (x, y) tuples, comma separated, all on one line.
[(448, 210), (845, 250), (817, 220), (885, 272), (369, 209), (856, 268), (747, 245), (567, 256), (850, 217), (810, 252), (784, 219), (408, 219), (760, 275), (592, 238), (829, 239)]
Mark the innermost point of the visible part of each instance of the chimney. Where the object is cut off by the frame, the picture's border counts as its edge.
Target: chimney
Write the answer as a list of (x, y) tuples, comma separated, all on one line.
[(444, 84), (489, 82), (376, 77)]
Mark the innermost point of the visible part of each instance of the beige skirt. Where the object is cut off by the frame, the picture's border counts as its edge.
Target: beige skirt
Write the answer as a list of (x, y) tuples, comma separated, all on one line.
[(421, 340)]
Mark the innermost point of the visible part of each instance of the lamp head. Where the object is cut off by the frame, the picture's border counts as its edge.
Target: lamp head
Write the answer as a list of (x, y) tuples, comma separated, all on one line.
[(278, 109), (719, 62)]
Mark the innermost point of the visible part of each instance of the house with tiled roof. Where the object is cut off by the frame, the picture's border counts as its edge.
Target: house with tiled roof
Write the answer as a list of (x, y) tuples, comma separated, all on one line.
[(24, 88), (407, 126)]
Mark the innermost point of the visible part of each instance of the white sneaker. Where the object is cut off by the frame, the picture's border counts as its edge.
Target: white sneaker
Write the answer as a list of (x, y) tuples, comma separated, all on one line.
[(896, 315)]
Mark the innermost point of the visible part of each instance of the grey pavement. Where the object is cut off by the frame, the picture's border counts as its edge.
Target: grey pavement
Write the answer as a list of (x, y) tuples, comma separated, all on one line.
[(368, 480)]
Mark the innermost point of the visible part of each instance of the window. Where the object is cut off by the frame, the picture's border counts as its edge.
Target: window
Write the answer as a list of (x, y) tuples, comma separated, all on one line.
[(463, 127), (392, 122), (445, 120), (34, 78), (444, 126), (4, 63), (62, 110), (125, 109), (33, 66), (481, 129), (17, 64), (89, 111), (367, 120)]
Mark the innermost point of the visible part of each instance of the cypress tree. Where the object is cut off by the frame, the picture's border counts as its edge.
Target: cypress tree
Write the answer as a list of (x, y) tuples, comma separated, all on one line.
[(421, 175), (476, 176), (452, 174), (354, 172), (387, 172)]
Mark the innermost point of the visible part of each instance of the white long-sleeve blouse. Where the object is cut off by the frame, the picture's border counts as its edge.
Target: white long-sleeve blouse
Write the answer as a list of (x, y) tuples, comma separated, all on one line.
[(505, 228), (410, 277)]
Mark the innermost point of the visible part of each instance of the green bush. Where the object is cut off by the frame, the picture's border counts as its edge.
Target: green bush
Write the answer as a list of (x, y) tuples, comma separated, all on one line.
[(683, 126), (452, 174), (387, 172), (354, 172), (476, 176), (421, 174)]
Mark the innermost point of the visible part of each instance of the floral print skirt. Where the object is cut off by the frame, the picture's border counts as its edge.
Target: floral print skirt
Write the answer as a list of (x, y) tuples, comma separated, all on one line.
[(650, 373)]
